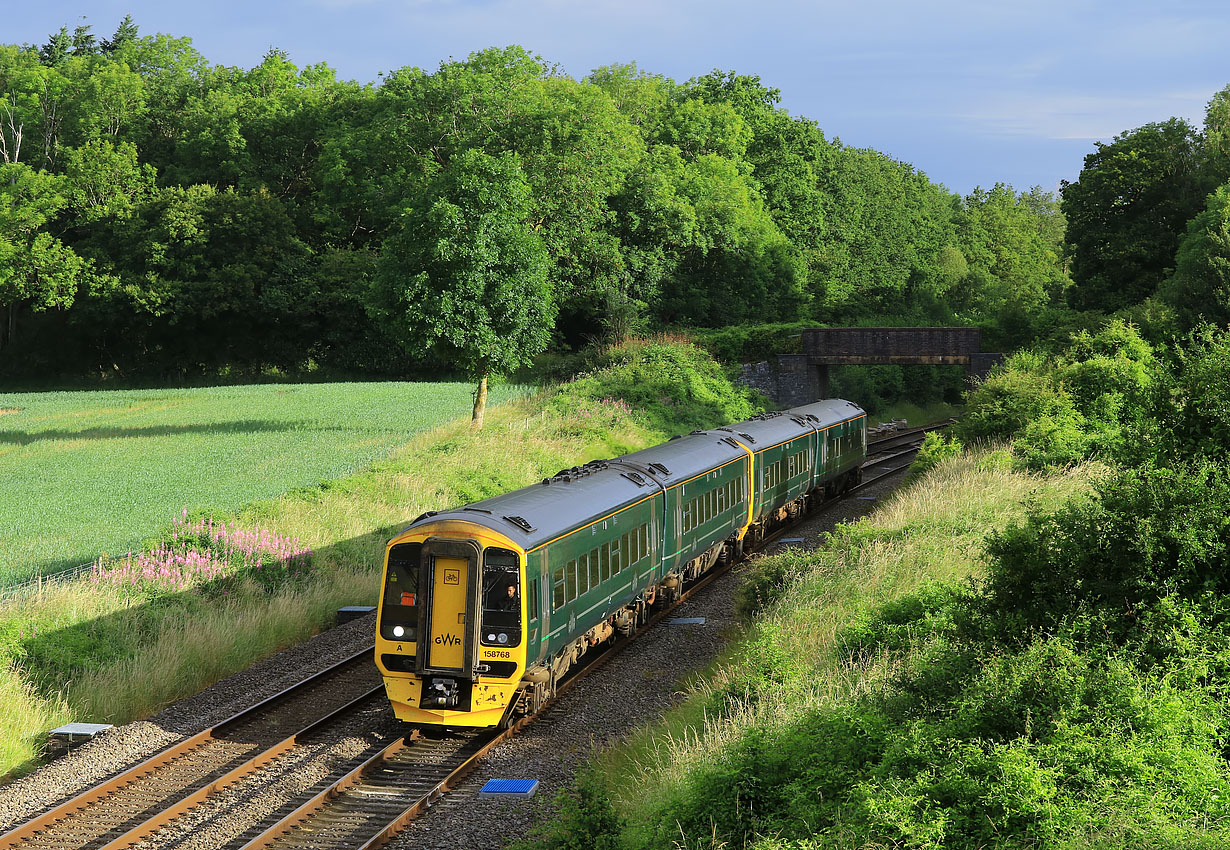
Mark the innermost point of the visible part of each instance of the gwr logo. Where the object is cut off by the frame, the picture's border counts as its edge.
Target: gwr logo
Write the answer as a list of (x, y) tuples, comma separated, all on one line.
[(448, 640), (452, 576)]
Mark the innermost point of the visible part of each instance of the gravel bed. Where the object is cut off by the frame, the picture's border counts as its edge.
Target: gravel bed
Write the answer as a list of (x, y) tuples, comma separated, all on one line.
[(124, 746), (230, 818)]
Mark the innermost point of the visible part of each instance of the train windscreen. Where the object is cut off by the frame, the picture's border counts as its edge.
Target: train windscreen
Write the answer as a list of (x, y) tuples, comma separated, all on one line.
[(501, 598), (399, 615)]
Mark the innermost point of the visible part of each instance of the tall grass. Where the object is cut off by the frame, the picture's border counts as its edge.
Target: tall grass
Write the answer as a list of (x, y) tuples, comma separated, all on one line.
[(25, 717), (210, 644), (790, 662)]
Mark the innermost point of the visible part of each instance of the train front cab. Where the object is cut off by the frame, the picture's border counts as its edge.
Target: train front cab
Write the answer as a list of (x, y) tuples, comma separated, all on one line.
[(453, 628)]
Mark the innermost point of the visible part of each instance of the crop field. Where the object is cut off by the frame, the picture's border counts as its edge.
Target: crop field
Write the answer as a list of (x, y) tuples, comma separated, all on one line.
[(86, 473)]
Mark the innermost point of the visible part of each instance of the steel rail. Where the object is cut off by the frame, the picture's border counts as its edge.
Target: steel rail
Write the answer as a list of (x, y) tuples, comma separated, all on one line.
[(34, 829)]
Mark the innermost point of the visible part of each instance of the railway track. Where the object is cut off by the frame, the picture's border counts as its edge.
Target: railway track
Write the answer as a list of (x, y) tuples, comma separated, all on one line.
[(141, 800), (364, 808)]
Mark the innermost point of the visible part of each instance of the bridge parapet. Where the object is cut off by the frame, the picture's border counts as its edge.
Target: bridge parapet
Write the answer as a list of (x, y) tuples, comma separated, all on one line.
[(892, 343), (797, 379)]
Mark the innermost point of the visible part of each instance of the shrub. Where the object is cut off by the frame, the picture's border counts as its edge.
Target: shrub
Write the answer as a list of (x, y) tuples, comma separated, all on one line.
[(1145, 535), (935, 448), (672, 387)]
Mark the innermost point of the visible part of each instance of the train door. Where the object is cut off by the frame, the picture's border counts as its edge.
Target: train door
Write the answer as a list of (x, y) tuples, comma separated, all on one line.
[(448, 644)]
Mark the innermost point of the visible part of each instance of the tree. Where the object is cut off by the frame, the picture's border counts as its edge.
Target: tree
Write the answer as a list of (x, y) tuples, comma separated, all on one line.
[(124, 34), (1127, 212), (36, 269), (1200, 288), (56, 49), (84, 43), (1217, 138), (466, 276)]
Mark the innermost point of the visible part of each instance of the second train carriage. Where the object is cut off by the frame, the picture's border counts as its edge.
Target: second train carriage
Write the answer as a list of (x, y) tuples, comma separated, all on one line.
[(484, 608)]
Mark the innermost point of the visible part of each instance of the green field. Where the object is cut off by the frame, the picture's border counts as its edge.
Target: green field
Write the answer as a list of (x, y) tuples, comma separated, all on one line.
[(82, 473)]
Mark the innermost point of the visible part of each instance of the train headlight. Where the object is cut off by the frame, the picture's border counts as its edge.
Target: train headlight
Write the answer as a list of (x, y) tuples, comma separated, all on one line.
[(398, 631), (490, 637), (503, 638)]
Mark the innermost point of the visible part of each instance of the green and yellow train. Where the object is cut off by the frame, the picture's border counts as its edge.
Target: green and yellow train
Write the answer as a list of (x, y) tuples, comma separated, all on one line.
[(484, 608)]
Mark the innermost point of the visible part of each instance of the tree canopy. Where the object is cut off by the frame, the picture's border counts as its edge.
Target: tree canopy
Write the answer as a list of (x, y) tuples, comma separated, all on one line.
[(199, 217)]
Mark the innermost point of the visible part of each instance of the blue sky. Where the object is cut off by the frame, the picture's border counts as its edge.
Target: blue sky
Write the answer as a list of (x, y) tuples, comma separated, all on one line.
[(972, 93)]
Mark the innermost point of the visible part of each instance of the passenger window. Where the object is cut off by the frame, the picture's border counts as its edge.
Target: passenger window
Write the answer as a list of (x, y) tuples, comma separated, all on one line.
[(613, 566), (595, 577), (572, 580), (558, 594)]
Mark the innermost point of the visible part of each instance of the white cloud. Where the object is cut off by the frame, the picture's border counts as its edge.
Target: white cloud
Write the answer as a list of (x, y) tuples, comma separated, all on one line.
[(1090, 117)]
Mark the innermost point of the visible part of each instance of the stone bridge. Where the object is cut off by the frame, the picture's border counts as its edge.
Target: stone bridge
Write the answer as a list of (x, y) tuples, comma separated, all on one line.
[(801, 378)]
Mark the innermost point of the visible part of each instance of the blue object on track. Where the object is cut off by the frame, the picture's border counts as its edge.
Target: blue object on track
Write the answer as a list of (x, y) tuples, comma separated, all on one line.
[(523, 788), (686, 621)]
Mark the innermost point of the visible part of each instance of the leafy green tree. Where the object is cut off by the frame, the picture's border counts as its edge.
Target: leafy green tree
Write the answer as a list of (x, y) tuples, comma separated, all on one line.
[(57, 47), (1217, 137), (1199, 290), (37, 270), (202, 279), (103, 180), (885, 226), (1127, 212), (466, 276), (1012, 248)]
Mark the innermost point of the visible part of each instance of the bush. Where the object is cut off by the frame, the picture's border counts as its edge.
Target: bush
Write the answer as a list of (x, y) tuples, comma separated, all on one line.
[(670, 386), (935, 448), (1145, 535)]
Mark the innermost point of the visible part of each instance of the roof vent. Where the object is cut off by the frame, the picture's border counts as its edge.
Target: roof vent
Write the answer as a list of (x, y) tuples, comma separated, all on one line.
[(660, 468), (521, 523), (571, 474)]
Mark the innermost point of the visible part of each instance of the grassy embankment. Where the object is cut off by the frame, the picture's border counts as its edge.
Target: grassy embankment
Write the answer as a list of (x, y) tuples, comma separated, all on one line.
[(704, 765), (116, 650)]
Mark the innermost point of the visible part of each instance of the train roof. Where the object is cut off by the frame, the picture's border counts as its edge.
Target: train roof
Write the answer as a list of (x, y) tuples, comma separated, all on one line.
[(538, 514), (771, 429), (830, 411)]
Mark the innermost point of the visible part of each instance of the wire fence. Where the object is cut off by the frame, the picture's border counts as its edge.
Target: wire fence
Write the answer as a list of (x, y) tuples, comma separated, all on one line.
[(34, 585)]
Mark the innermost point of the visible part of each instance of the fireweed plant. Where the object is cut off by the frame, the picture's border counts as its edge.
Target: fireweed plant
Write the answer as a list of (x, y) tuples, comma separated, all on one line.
[(202, 550)]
